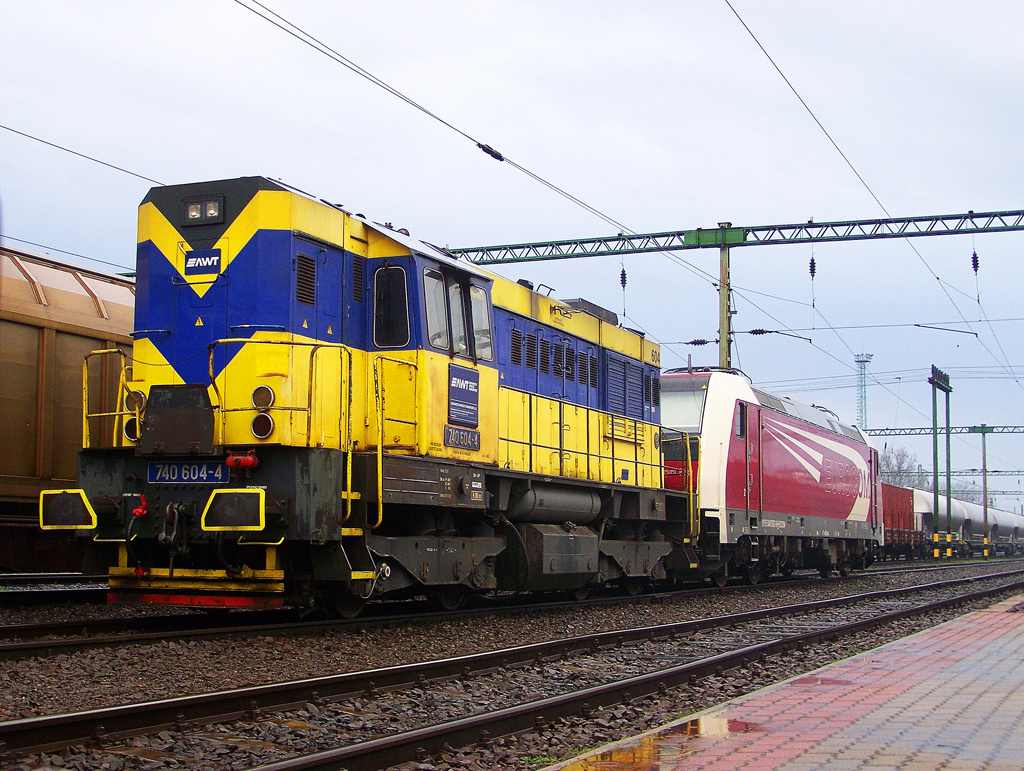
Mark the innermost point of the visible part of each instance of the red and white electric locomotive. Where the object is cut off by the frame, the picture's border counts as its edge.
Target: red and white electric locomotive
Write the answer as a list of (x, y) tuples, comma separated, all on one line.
[(781, 485)]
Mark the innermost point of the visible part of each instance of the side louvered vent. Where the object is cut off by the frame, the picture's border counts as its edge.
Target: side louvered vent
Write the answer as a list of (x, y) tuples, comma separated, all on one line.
[(559, 355), (593, 372), (531, 351), (305, 279), (545, 356), (358, 265), (581, 373), (570, 364), (517, 347)]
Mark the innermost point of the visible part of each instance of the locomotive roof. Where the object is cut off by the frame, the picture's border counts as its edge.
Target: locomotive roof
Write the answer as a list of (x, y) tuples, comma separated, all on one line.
[(245, 188)]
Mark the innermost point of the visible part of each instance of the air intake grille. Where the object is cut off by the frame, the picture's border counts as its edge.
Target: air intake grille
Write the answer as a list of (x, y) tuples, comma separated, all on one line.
[(531, 351), (517, 347), (305, 279), (357, 278)]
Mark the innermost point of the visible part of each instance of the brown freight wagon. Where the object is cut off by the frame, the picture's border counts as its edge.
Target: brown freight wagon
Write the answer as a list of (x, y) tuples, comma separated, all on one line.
[(51, 315)]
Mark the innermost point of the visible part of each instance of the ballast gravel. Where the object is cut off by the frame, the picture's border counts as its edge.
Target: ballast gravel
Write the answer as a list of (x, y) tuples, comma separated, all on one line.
[(111, 676)]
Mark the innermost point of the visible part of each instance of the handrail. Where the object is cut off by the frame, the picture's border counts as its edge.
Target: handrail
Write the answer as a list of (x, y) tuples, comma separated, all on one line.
[(379, 395), (314, 348), (345, 446), (693, 486), (122, 391)]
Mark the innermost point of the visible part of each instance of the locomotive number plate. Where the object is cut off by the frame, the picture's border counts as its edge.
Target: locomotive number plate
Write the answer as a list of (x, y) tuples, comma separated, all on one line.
[(185, 473)]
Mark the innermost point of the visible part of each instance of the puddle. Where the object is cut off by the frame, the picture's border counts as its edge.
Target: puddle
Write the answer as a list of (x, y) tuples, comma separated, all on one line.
[(658, 751)]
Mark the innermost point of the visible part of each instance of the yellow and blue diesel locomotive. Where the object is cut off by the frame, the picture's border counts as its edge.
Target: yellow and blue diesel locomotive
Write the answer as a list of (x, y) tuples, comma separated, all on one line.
[(320, 410)]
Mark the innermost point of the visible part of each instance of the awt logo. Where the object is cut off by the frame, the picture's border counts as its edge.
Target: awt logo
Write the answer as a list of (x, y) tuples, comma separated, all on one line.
[(202, 261)]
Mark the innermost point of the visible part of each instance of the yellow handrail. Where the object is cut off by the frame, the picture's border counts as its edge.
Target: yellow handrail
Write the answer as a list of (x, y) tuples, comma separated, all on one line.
[(314, 348), (122, 391)]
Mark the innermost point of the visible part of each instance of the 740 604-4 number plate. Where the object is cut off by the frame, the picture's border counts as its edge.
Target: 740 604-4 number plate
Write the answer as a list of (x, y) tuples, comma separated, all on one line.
[(188, 473)]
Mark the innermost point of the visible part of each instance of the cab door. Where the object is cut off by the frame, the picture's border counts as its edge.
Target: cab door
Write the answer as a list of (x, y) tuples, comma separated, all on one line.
[(753, 461), (328, 398)]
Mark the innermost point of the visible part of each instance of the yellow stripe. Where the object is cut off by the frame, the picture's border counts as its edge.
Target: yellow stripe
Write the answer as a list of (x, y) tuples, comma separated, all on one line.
[(198, 574)]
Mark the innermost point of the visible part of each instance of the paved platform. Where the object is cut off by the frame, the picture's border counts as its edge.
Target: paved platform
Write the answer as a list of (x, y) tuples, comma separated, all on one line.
[(951, 697)]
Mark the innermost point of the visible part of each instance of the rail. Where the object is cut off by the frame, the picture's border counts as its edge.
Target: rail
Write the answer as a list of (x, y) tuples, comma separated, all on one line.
[(712, 644)]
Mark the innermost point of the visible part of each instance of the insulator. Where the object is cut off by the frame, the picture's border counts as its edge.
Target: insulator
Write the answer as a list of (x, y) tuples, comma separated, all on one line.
[(699, 341), (758, 332), (814, 268), (491, 152), (622, 278), (974, 262)]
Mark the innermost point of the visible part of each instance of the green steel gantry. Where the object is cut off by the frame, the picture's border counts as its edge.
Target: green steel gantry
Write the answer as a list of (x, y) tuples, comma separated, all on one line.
[(725, 236)]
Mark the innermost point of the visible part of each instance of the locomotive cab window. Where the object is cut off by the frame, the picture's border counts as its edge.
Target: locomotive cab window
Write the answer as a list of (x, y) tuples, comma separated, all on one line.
[(390, 308), (462, 328), (457, 312), (437, 310), (481, 323), (741, 420)]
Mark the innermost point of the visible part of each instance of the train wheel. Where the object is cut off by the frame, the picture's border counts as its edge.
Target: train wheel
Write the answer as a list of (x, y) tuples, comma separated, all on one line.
[(633, 586), (347, 605), (754, 574), (786, 570), (825, 571), (719, 578), (582, 593), (449, 598)]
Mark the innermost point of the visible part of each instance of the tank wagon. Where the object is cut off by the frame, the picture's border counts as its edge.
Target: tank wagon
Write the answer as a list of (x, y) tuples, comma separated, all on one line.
[(51, 315), (1005, 528), (321, 410)]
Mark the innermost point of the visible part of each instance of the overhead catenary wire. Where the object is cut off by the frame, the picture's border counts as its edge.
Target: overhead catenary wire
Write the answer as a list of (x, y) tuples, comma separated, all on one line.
[(80, 155), (4, 236), (877, 200)]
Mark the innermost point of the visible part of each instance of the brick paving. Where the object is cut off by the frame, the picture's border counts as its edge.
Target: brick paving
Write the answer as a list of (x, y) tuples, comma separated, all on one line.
[(951, 697)]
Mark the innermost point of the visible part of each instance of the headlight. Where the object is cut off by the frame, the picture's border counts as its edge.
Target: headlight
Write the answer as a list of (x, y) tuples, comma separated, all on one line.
[(262, 426), (263, 397), (134, 401)]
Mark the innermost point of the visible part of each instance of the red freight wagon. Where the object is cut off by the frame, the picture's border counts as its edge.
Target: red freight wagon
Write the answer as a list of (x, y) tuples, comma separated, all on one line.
[(902, 535)]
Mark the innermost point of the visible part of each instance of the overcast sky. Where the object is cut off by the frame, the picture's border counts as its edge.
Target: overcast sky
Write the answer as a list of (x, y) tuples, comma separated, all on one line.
[(662, 115)]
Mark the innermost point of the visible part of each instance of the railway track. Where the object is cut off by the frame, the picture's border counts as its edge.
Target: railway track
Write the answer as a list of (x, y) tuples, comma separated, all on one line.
[(21, 589), (18, 641), (521, 688)]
